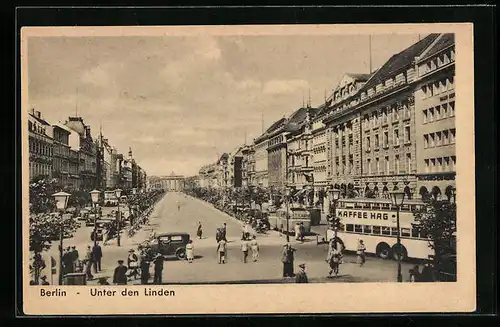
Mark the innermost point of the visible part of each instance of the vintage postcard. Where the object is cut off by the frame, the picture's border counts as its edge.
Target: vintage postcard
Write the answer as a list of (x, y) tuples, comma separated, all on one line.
[(215, 169)]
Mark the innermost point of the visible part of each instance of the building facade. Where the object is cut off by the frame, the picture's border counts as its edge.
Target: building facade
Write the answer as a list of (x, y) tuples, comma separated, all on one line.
[(435, 118), (261, 162), (61, 154), (248, 165), (40, 146)]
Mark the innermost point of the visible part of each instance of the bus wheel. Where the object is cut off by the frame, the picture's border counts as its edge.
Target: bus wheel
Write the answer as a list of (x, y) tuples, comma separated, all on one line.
[(399, 251), (383, 250)]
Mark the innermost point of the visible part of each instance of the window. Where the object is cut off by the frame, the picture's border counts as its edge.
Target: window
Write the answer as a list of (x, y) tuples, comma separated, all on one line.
[(394, 231), (377, 162), (367, 229), (343, 141), (396, 163), (431, 115), (351, 142), (427, 166), (415, 233), (405, 232), (424, 92), (426, 141), (425, 116), (432, 165), (386, 139), (386, 231), (452, 136), (349, 227), (438, 139), (368, 143), (439, 164), (453, 162), (387, 165), (444, 110), (376, 230), (452, 109), (407, 134), (408, 162), (358, 228), (384, 116), (437, 112), (376, 141), (432, 139), (369, 166)]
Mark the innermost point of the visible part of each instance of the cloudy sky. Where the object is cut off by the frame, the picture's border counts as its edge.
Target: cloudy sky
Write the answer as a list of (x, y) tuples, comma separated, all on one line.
[(179, 101)]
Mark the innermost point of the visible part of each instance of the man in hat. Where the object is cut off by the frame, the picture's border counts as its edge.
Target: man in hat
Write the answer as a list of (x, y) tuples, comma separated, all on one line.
[(120, 274), (67, 261), (96, 257), (287, 257), (44, 280), (158, 264), (74, 257), (301, 276)]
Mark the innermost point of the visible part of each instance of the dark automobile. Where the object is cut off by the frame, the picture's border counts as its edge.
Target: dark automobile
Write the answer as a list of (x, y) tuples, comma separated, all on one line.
[(168, 244)]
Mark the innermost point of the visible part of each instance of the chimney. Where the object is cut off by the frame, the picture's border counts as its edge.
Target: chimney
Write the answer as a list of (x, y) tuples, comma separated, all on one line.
[(38, 114)]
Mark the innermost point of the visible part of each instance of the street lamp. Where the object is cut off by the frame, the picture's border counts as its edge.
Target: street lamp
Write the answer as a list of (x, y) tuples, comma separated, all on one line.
[(61, 199), (334, 197), (287, 200), (94, 195), (397, 198), (118, 193)]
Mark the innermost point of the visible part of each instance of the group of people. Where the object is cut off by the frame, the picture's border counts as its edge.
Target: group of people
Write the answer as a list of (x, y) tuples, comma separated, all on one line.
[(73, 263), (300, 231), (139, 265)]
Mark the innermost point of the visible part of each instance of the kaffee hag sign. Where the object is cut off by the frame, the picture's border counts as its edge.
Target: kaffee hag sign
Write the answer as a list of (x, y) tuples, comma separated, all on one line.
[(374, 217)]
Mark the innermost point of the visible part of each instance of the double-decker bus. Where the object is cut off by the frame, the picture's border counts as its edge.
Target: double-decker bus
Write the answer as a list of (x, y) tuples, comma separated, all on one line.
[(374, 221)]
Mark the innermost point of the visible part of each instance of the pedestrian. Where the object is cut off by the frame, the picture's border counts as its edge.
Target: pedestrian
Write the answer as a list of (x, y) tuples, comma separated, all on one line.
[(190, 251), (287, 257), (427, 274), (120, 274), (144, 269), (88, 263), (103, 281), (254, 245), (302, 231), (415, 274), (333, 259), (221, 251), (67, 260), (74, 257), (178, 206), (158, 266), (224, 232), (199, 231), (97, 257), (360, 252), (297, 231), (301, 276), (105, 235), (244, 249), (132, 263), (44, 280)]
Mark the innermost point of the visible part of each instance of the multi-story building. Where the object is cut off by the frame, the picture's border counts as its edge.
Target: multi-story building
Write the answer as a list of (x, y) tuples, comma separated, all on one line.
[(261, 161), (61, 154), (208, 176), (339, 149), (74, 160), (248, 165), (40, 146), (222, 172), (108, 169), (235, 167), (87, 152), (435, 118)]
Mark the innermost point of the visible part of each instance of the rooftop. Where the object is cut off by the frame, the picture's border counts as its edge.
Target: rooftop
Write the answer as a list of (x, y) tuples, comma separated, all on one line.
[(443, 42)]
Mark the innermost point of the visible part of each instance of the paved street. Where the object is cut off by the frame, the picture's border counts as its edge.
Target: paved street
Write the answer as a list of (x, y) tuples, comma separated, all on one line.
[(205, 268)]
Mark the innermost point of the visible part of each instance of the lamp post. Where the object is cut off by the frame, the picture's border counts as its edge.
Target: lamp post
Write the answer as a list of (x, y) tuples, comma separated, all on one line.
[(61, 204), (118, 193), (397, 199), (287, 200), (94, 195), (334, 197)]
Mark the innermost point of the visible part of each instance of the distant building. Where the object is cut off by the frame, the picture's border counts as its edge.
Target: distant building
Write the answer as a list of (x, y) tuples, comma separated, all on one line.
[(172, 182), (61, 154), (40, 146)]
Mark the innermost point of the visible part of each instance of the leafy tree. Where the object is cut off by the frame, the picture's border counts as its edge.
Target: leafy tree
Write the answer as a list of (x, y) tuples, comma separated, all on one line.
[(40, 195), (437, 220)]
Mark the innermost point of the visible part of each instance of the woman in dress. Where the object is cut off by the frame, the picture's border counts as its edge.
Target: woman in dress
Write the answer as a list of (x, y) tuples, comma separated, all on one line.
[(189, 251), (333, 259), (361, 253), (199, 231), (133, 264)]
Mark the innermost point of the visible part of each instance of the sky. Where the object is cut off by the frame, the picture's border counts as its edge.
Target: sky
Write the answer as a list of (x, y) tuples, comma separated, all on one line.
[(181, 101)]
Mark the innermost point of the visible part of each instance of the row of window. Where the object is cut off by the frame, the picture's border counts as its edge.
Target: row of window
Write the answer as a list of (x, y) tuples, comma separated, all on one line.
[(37, 169), (36, 128), (381, 230), (438, 61), (319, 149), (442, 111), (386, 168), (438, 165), (386, 140), (438, 87), (41, 148), (440, 138)]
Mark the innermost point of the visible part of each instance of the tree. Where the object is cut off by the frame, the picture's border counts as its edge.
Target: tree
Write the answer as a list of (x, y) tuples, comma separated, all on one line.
[(40, 195), (437, 221)]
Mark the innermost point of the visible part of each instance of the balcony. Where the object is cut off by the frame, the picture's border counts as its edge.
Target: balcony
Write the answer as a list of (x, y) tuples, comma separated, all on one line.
[(307, 169)]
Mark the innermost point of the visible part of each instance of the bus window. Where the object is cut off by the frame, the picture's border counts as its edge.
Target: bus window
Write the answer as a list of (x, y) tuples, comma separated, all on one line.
[(385, 206), (358, 228), (349, 227), (367, 229), (414, 233), (358, 205), (404, 207), (394, 231), (386, 231), (405, 232), (376, 230)]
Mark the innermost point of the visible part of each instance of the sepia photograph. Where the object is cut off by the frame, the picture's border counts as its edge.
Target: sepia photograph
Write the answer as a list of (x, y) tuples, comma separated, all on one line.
[(158, 159)]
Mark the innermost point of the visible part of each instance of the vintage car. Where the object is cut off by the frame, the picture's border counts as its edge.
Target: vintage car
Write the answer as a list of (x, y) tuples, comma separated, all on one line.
[(99, 227), (168, 244)]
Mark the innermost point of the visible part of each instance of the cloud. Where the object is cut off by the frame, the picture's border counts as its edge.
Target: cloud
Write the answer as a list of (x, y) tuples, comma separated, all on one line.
[(248, 84), (285, 86), (98, 76), (146, 139)]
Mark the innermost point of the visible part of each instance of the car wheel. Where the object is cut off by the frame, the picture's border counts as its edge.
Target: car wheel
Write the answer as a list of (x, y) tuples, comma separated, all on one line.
[(399, 251), (383, 250), (180, 253)]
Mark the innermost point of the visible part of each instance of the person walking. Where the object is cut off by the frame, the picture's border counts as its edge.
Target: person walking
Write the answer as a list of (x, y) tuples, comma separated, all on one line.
[(254, 245), (144, 269), (133, 263), (97, 257), (297, 231), (199, 230), (333, 259), (301, 276), (244, 250), (287, 258), (360, 252), (88, 263), (105, 235), (74, 257), (221, 251), (120, 274), (190, 251), (67, 260), (158, 266), (224, 232), (302, 231)]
